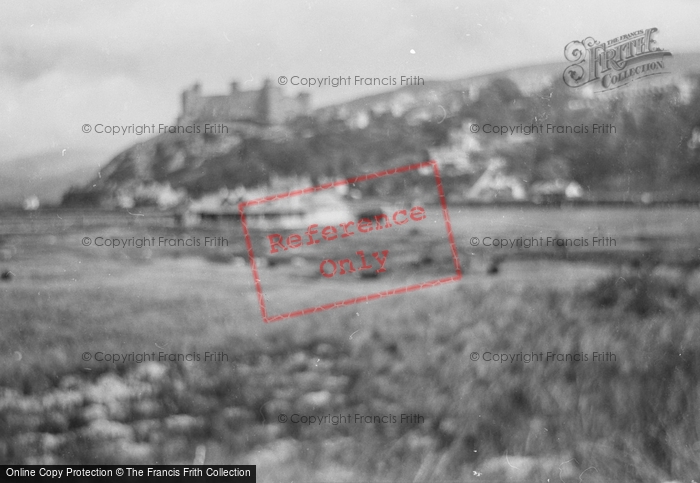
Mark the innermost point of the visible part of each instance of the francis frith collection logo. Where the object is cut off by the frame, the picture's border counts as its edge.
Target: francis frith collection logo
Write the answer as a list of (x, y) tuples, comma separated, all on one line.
[(615, 63)]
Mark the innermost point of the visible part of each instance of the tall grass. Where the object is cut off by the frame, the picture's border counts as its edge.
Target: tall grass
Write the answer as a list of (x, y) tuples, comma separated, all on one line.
[(633, 419)]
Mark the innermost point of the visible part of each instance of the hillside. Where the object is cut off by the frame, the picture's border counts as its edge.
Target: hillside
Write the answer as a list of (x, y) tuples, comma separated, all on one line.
[(46, 175), (529, 79), (651, 149)]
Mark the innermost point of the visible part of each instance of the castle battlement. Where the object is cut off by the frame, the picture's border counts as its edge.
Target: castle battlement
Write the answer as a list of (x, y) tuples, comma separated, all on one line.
[(268, 105)]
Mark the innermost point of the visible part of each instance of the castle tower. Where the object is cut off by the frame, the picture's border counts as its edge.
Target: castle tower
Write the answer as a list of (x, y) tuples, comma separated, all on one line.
[(191, 100), (270, 104)]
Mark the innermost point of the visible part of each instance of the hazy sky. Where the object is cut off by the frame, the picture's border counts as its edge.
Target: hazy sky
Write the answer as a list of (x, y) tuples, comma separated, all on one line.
[(67, 63)]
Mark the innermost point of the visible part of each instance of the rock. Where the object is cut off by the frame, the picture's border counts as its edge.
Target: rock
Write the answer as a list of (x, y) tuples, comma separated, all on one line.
[(43, 460), (8, 398), (147, 408), (184, 423), (63, 401), (94, 412), (146, 429), (151, 371), (55, 422), (71, 383), (28, 439), (126, 452), (336, 384), (308, 381), (22, 422), (325, 350), (316, 400), (237, 416), (279, 452), (339, 449), (272, 409), (52, 442), (297, 362), (111, 391), (201, 404), (266, 433), (693, 283), (28, 405), (109, 388), (102, 429)]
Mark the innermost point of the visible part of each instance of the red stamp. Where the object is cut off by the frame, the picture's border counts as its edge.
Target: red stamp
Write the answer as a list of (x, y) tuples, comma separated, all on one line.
[(335, 244)]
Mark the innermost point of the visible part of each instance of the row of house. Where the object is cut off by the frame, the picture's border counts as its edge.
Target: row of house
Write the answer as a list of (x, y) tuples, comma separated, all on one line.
[(464, 154), (329, 206), (335, 205), (497, 184)]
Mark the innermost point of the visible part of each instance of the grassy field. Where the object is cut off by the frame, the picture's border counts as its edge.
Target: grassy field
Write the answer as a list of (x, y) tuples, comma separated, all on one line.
[(634, 418)]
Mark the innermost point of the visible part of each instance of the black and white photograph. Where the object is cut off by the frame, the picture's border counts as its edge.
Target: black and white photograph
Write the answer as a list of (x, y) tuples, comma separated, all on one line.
[(385, 241)]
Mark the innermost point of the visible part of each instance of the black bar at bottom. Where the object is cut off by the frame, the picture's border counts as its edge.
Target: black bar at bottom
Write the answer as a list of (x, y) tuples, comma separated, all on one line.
[(127, 473)]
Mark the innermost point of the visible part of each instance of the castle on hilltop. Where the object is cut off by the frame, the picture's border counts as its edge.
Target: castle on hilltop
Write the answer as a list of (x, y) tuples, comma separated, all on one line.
[(266, 106)]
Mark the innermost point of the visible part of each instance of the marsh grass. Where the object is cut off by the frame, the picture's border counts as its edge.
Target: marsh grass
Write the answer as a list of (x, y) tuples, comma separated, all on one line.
[(632, 419)]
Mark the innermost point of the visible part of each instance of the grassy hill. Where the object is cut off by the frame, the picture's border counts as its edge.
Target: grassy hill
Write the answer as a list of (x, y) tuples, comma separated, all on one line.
[(46, 175), (328, 145), (528, 78)]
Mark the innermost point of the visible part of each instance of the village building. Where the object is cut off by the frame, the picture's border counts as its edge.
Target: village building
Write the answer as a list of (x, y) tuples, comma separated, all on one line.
[(325, 206), (456, 156), (556, 191), (495, 184)]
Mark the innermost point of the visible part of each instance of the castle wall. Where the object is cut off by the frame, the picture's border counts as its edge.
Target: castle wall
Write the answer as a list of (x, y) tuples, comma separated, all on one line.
[(292, 107), (267, 106), (229, 108), (271, 99)]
